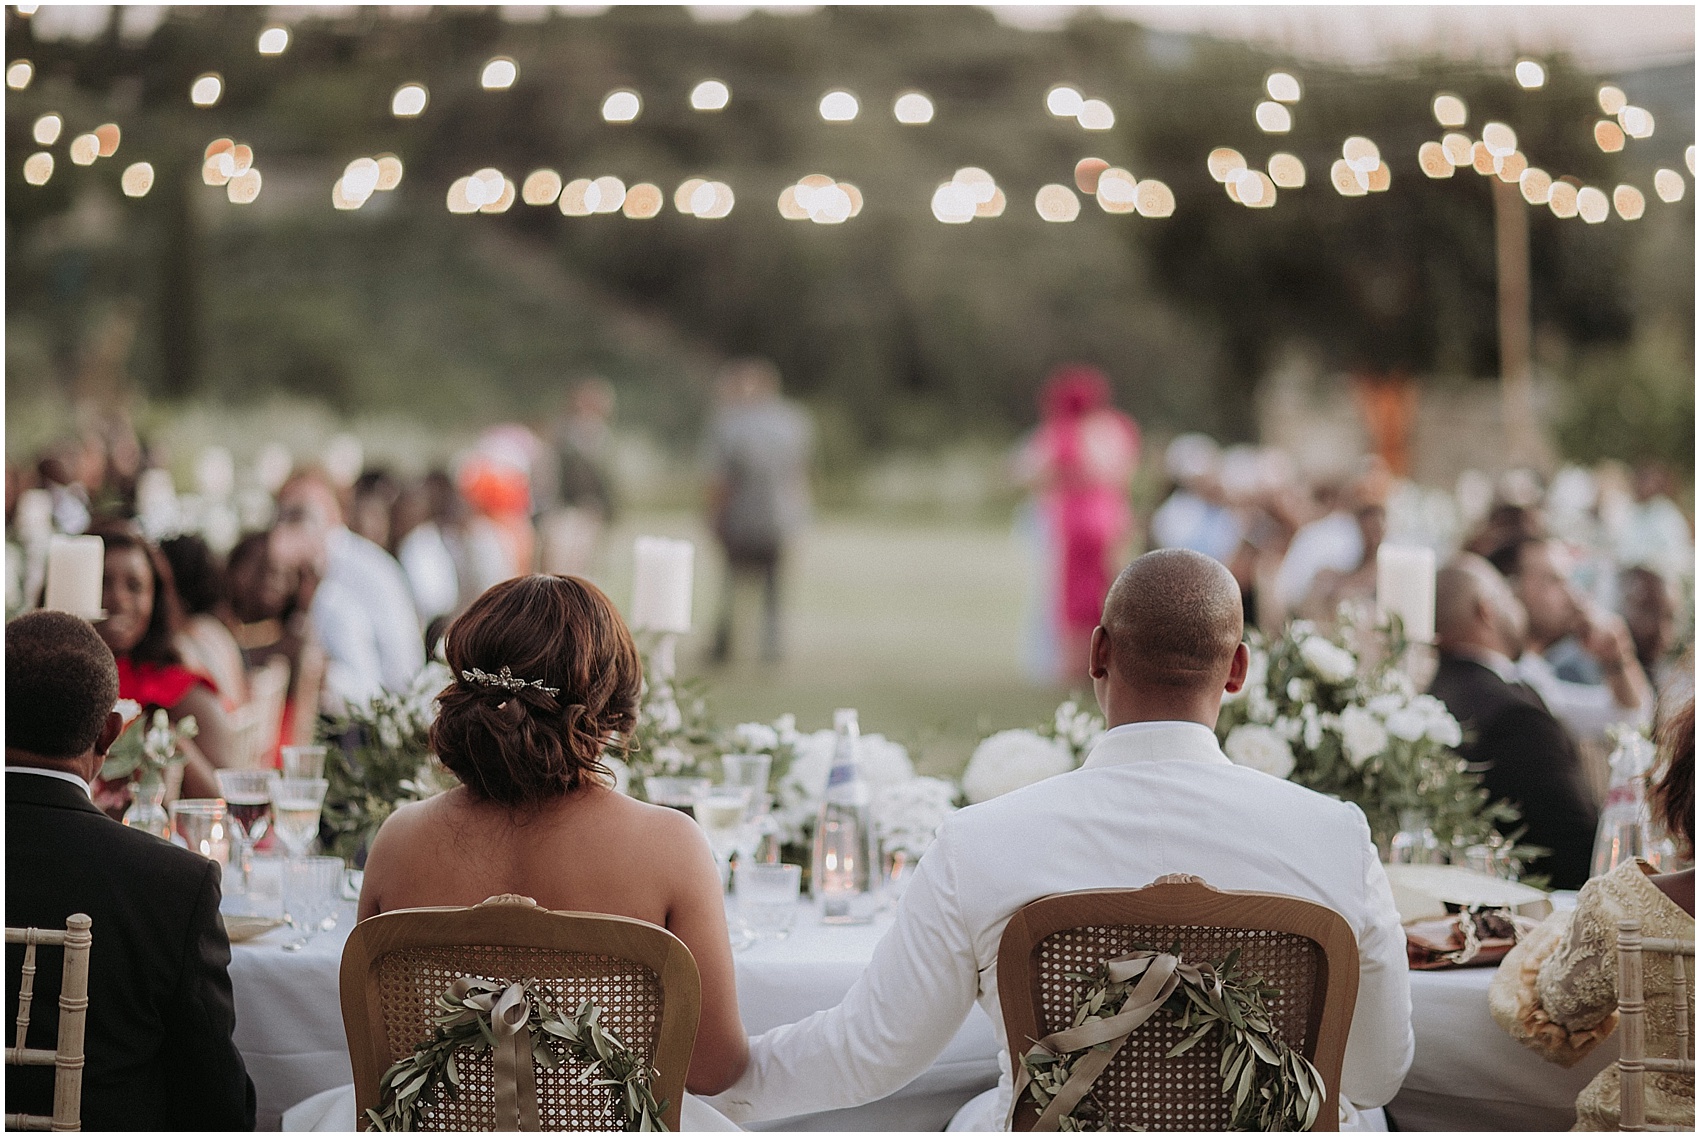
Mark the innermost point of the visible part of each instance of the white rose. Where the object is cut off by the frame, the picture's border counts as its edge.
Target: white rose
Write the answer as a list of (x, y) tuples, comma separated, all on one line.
[(755, 737), (1260, 748), (1363, 735), (1011, 759), (1299, 690), (1329, 661), (1407, 723), (883, 761)]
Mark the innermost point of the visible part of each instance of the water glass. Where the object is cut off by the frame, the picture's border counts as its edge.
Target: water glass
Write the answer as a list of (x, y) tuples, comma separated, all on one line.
[(749, 771), (248, 793), (767, 897), (201, 825), (721, 810), (312, 892), (296, 803), (303, 762)]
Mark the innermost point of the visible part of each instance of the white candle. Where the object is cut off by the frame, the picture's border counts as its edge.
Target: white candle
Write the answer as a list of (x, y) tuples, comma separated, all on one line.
[(661, 585), (1404, 586), (75, 568)]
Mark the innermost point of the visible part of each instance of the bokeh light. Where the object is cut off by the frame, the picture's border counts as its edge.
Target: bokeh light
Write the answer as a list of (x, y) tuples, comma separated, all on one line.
[(621, 106), (1282, 87), (1431, 156), (109, 136), (241, 157), (1499, 139), (46, 129), (607, 196), (1482, 159), (1117, 190), (710, 95), (1688, 157), (389, 172), (137, 179), (643, 201), (1273, 118), (1592, 205), (542, 187), (1224, 161), (1668, 184), (1450, 111), (1530, 74), (1561, 199), (1286, 171), (1086, 172), (498, 74), (1345, 179), (712, 201), (360, 178), (991, 207), (207, 90), (1064, 101), (1629, 202), (85, 148), (19, 73), (1608, 136), (243, 188), (575, 200), (409, 100), (1636, 122), (505, 198), (1536, 185), (38, 167), (1459, 149), (682, 195), (1612, 99), (274, 41), (1254, 189), (1056, 203), (913, 109), (954, 205), (1361, 154), (1380, 178), (1153, 198), (839, 106), (459, 201), (1510, 168), (1095, 114)]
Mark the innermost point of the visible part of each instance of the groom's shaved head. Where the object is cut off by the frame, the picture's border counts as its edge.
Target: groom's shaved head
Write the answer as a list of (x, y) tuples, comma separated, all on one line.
[(1174, 619)]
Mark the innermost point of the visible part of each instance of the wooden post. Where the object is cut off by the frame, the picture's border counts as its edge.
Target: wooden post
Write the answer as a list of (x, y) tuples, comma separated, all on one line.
[(1631, 1072), (1524, 446)]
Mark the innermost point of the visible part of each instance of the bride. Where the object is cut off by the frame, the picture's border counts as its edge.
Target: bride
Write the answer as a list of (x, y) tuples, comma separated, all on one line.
[(547, 680)]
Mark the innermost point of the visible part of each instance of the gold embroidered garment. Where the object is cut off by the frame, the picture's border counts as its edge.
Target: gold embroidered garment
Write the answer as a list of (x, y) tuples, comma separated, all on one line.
[(1557, 993)]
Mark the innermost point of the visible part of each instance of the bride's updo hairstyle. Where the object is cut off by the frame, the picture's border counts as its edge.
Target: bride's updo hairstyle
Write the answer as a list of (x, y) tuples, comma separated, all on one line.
[(520, 745)]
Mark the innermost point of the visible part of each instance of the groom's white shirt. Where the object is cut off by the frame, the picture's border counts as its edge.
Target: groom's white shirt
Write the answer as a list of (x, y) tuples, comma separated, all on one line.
[(1151, 798)]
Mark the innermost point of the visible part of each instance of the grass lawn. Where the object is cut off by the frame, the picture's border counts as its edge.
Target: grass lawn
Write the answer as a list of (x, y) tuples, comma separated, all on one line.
[(918, 626)]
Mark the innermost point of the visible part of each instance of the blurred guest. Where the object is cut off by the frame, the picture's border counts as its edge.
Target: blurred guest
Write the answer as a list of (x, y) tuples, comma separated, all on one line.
[(158, 1043), (1535, 568), (206, 642), (424, 554), (1557, 991), (1650, 614), (757, 458), (59, 471), (1334, 540), (1332, 588), (1506, 524), (355, 594), (1522, 752), (1081, 461), (1653, 530), (582, 495), (270, 623), (370, 502), (495, 480), (142, 627), (1194, 514)]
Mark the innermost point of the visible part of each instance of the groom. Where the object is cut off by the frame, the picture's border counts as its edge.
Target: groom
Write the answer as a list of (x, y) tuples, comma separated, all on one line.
[(1155, 796)]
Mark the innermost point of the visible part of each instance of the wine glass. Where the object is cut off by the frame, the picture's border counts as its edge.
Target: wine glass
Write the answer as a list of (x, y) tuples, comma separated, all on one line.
[(721, 810), (248, 794), (296, 803)]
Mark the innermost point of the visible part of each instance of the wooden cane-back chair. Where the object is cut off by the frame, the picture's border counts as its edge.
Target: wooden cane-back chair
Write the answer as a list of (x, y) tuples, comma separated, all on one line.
[(67, 1057), (1305, 949), (1633, 1064), (640, 975)]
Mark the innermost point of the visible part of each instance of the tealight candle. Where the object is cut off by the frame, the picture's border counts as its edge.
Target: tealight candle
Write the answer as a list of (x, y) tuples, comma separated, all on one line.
[(75, 568), (1404, 586), (661, 585)]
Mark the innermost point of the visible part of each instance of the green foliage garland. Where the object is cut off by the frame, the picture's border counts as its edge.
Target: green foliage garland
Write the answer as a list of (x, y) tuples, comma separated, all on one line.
[(1272, 1087), (409, 1087)]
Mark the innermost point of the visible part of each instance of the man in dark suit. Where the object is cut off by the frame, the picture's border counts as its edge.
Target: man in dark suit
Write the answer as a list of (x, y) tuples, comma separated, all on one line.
[(159, 1049), (1522, 752)]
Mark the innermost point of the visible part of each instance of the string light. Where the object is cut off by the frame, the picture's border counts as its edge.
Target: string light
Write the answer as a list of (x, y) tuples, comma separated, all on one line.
[(1636, 122), (109, 136), (621, 106), (38, 167), (1612, 99), (1431, 156), (1282, 87), (1273, 118), (913, 109), (1064, 101), (1510, 167), (1345, 179), (389, 172), (243, 188), (274, 41), (1460, 151), (839, 106), (1450, 111), (137, 179), (541, 187), (1592, 205), (688, 187), (1668, 184), (1608, 136), (1117, 190), (1530, 74), (1536, 185), (1224, 162), (459, 200), (1095, 114), (1629, 202), (19, 74), (643, 201), (1153, 198), (46, 129), (1056, 203), (207, 90), (1499, 139), (1286, 171), (1482, 159), (607, 196), (710, 95), (504, 199), (1086, 173), (498, 74), (85, 148), (409, 100), (1562, 200), (576, 195), (712, 201)]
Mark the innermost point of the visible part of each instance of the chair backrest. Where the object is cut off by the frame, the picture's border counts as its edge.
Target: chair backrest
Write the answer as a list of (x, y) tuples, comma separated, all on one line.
[(1303, 948), (1633, 1064), (67, 1057), (641, 976)]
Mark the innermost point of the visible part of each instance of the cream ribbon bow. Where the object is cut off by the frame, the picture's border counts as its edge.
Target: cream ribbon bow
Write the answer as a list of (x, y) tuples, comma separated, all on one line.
[(516, 1081), (1162, 972)]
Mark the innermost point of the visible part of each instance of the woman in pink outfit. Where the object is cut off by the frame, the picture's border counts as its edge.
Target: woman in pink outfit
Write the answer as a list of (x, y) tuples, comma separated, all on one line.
[(1081, 460)]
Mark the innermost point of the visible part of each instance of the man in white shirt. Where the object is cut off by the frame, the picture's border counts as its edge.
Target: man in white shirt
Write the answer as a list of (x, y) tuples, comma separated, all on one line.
[(1155, 796), (361, 606)]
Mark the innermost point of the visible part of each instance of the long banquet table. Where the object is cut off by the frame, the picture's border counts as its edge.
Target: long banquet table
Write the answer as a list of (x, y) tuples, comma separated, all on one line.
[(1467, 1074)]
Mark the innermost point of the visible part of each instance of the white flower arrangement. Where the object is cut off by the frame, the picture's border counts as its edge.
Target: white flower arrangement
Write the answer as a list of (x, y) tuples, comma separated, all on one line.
[(1011, 759), (909, 814), (800, 788), (1260, 748)]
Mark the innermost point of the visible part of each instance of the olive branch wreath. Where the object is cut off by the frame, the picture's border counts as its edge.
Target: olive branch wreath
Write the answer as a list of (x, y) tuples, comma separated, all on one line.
[(463, 1023), (1272, 1087)]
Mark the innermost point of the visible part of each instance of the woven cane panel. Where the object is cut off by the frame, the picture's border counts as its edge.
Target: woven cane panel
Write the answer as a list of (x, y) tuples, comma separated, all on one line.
[(1141, 1088), (628, 993)]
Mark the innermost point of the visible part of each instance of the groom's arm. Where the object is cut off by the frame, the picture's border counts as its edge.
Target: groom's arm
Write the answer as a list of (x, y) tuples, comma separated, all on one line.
[(896, 1019)]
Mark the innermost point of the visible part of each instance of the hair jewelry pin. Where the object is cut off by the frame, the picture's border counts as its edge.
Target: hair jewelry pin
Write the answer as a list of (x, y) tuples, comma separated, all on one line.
[(506, 680)]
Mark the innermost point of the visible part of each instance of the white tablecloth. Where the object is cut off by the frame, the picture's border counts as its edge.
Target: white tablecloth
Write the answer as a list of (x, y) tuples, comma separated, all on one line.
[(1468, 1075)]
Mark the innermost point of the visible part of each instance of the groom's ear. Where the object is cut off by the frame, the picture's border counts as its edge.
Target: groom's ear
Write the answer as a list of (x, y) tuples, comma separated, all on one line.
[(1237, 670), (1098, 659)]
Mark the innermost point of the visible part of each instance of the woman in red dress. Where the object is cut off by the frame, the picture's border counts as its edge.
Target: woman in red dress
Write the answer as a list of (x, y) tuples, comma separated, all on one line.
[(1081, 459), (141, 625)]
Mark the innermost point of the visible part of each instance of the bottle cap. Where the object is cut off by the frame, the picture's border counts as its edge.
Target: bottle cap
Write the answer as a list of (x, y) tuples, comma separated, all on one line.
[(844, 719)]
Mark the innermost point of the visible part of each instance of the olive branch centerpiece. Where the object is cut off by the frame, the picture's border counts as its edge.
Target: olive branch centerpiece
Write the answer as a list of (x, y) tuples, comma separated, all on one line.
[(518, 1024), (1271, 1086)]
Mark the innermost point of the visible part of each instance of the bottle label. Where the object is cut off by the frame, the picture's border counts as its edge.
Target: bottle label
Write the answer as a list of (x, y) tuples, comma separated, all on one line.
[(842, 774)]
